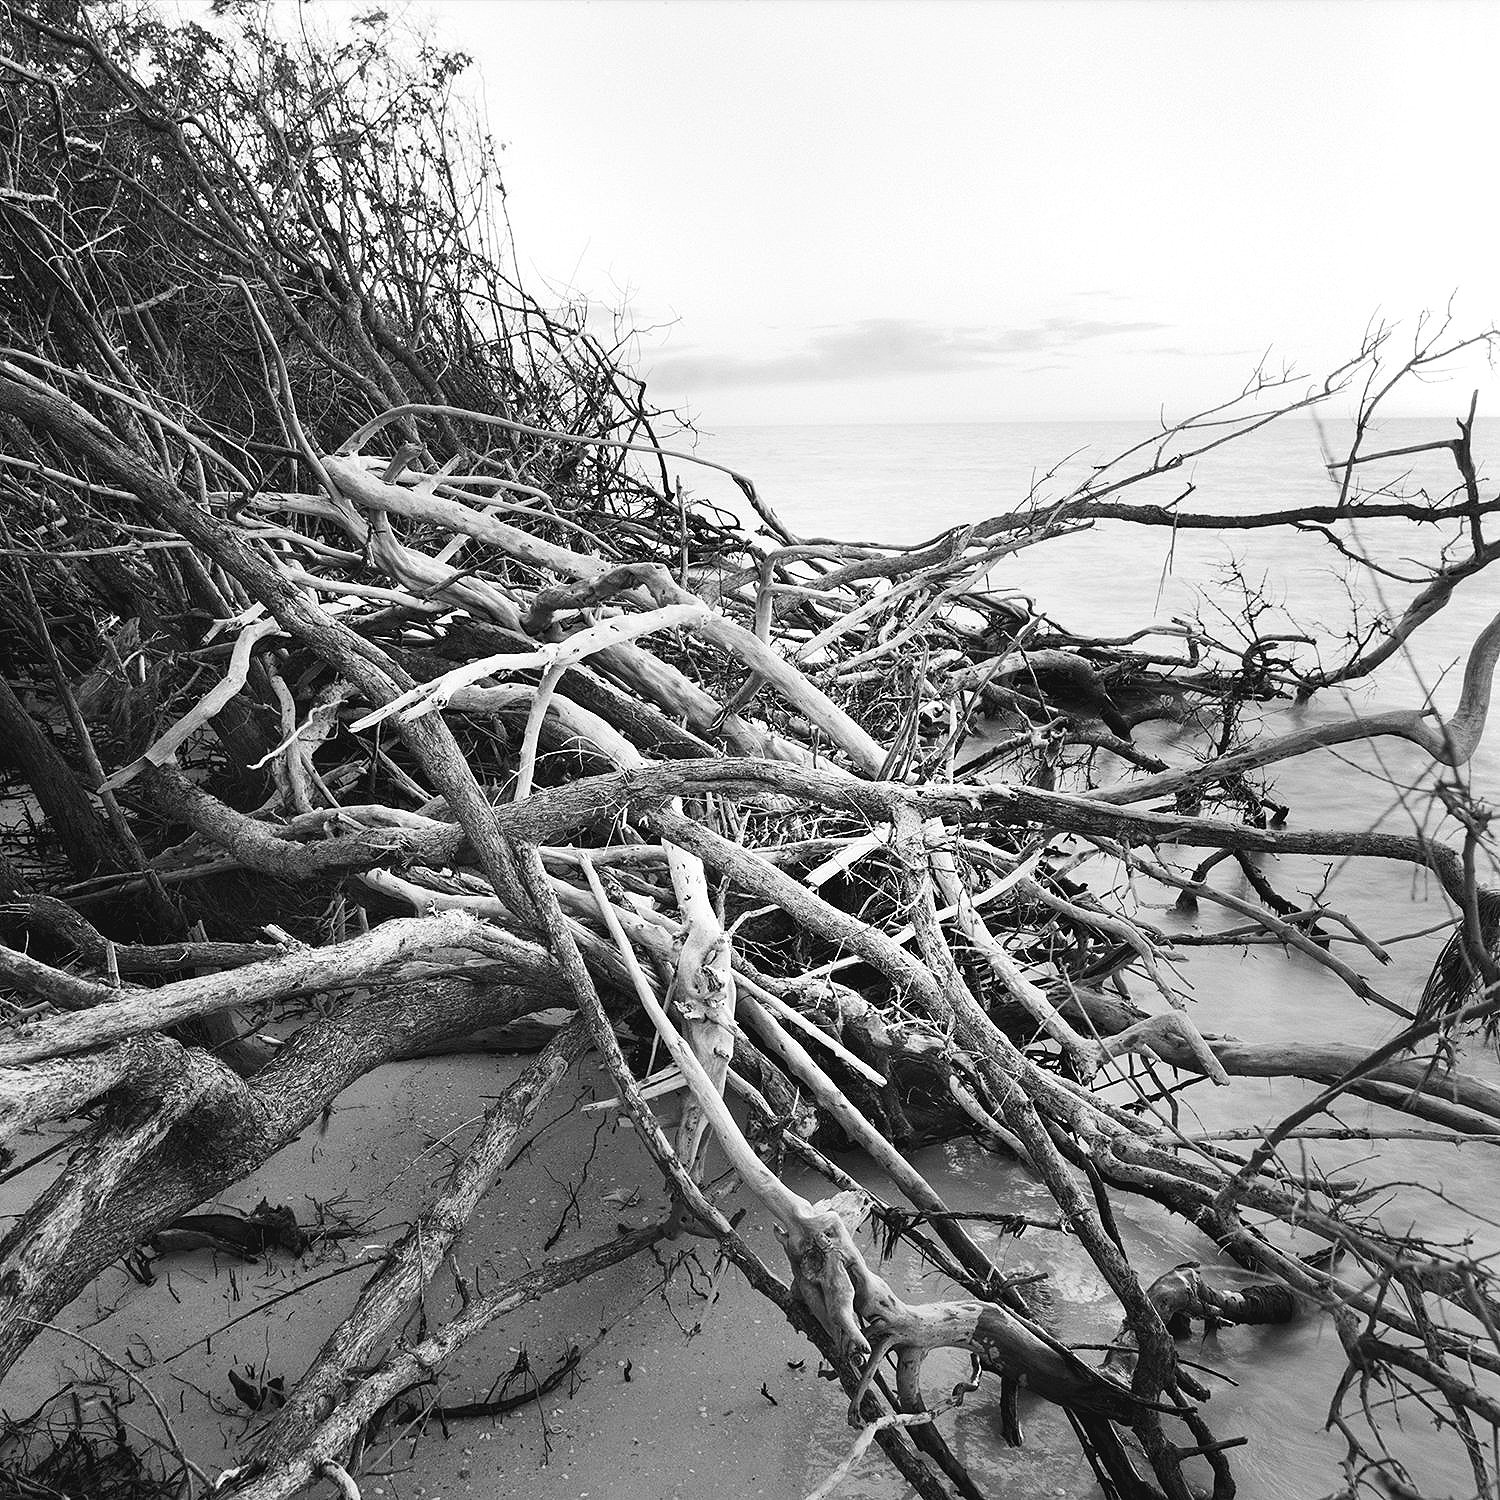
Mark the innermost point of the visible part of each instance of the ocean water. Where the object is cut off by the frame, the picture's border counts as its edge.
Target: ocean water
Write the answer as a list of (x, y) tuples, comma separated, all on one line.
[(906, 484)]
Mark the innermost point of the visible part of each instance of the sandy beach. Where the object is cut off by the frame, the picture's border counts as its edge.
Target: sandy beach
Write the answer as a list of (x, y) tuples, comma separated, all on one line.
[(687, 1385)]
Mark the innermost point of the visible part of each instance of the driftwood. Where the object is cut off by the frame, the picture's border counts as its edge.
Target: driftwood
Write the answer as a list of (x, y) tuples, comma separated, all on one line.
[(388, 687)]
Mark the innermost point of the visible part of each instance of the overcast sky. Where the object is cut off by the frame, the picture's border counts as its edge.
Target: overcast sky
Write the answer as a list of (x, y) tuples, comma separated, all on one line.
[(944, 211)]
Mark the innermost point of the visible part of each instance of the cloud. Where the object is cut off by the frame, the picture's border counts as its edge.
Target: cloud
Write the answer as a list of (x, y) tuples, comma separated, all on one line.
[(1179, 351), (878, 347)]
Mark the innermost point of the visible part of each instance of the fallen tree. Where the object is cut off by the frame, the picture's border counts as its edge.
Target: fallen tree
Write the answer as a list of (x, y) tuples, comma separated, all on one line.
[(349, 579)]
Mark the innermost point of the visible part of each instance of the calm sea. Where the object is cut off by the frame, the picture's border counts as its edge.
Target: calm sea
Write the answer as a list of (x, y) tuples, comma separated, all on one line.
[(904, 484)]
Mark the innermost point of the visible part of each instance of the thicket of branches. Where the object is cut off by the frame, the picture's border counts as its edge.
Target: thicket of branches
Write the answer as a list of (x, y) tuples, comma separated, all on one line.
[(362, 644)]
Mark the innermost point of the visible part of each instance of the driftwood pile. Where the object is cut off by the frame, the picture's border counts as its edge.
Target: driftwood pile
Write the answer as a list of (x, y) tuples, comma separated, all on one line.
[(364, 645)]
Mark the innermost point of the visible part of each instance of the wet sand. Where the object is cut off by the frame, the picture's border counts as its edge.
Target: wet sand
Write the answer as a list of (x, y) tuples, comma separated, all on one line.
[(690, 1420)]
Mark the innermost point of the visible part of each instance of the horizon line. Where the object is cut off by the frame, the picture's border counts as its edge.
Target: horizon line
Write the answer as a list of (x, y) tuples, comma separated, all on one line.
[(704, 426)]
